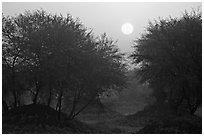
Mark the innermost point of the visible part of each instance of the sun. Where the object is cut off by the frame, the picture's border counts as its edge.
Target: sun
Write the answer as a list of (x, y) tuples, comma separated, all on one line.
[(127, 28)]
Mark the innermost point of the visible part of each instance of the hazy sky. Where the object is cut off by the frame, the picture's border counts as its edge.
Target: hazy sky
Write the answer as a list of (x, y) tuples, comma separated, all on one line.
[(108, 17)]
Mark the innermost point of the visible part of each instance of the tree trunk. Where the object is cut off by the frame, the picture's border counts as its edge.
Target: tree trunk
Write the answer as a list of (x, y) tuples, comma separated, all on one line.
[(81, 109), (15, 98), (37, 92), (13, 89), (73, 107), (36, 96), (86, 105), (57, 106), (13, 82), (50, 97), (60, 105)]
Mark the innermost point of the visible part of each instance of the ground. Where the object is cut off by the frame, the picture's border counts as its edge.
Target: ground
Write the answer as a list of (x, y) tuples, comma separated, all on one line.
[(109, 122), (153, 119)]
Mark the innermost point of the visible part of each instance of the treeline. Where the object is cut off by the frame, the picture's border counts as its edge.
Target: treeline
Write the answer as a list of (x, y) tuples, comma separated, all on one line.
[(56, 58), (58, 62), (169, 57)]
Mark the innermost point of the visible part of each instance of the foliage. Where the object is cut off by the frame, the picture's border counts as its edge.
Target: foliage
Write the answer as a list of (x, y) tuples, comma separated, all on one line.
[(56, 58), (169, 56)]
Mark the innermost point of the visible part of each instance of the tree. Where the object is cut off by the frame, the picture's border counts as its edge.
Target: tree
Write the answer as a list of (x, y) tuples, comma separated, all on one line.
[(169, 56), (61, 60), (13, 62), (102, 70)]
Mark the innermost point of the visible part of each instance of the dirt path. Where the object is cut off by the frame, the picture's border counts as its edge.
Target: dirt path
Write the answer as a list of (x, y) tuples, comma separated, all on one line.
[(111, 125)]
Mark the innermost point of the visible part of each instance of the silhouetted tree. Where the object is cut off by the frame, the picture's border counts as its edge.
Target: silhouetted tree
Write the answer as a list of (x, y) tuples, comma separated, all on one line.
[(13, 62), (97, 75), (61, 60), (169, 56)]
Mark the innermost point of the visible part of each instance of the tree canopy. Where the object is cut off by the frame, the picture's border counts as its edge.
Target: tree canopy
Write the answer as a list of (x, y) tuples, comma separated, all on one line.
[(57, 58), (169, 56)]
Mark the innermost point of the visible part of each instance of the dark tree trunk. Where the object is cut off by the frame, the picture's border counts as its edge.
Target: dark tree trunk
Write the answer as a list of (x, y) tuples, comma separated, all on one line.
[(18, 101), (15, 98), (60, 106), (80, 110), (13, 82), (13, 88), (37, 92), (92, 98), (50, 97), (73, 107), (57, 106), (36, 96)]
